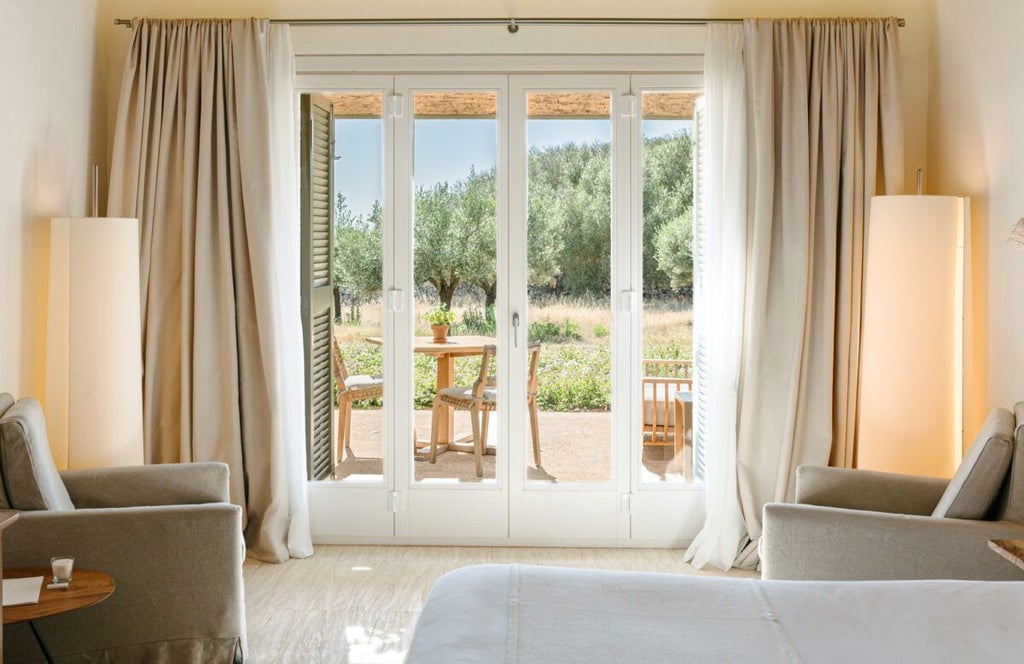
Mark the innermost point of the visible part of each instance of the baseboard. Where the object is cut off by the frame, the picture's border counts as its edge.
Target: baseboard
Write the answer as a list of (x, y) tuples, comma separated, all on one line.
[(519, 542)]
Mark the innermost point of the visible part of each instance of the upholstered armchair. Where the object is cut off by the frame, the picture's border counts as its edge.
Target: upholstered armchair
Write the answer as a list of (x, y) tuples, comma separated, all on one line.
[(859, 524), (166, 534)]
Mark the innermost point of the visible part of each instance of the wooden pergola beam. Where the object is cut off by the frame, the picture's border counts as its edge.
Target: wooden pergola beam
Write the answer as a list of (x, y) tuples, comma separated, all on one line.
[(539, 105)]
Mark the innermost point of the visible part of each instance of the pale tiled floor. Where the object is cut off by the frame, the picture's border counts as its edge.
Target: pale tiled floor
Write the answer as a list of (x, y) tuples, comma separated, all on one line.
[(359, 604)]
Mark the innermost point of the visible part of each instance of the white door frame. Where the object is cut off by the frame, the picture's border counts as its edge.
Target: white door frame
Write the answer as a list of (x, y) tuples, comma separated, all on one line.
[(364, 509), (446, 512), (509, 511), (581, 513), (664, 510)]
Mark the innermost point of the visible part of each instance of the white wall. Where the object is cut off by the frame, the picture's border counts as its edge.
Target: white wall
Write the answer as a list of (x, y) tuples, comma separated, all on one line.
[(51, 130), (976, 148)]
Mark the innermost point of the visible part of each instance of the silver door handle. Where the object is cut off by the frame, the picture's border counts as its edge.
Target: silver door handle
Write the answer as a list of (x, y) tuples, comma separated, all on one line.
[(515, 330)]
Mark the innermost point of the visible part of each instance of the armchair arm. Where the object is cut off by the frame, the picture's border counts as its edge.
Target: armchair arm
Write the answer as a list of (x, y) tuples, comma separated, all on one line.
[(160, 484), (812, 542), (868, 490), (177, 570)]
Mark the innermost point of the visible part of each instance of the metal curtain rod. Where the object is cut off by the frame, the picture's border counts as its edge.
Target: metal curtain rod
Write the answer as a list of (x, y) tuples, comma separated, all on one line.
[(512, 24)]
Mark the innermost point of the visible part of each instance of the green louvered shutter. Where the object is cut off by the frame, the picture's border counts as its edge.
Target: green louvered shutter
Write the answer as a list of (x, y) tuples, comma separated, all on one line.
[(317, 137)]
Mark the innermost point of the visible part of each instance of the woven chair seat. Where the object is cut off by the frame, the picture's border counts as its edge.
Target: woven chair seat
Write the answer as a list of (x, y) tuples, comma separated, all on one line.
[(462, 397), (364, 387)]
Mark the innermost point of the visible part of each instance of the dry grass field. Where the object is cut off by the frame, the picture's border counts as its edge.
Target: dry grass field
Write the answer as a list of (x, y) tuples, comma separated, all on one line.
[(667, 323)]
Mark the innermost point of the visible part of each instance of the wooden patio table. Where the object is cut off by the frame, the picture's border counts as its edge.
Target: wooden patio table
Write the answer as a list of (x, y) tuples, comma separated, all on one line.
[(456, 346)]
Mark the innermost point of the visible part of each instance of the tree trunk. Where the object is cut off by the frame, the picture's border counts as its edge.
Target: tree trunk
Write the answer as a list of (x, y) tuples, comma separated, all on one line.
[(446, 292), (490, 294)]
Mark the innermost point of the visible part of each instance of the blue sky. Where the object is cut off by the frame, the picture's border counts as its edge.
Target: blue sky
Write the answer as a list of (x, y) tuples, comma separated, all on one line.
[(357, 170), (447, 149)]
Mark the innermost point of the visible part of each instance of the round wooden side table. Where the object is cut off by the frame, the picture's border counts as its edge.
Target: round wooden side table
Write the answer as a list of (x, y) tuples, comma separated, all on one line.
[(87, 587)]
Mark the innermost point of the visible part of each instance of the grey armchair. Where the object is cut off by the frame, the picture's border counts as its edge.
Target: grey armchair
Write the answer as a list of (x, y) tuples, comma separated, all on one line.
[(166, 534), (859, 524)]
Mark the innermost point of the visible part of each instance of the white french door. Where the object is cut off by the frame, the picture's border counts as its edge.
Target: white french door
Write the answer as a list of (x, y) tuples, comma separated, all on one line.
[(591, 486), (579, 497), (440, 504)]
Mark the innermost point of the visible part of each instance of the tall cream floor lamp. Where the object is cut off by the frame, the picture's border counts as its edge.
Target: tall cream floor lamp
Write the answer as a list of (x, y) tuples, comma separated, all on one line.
[(94, 343), (911, 399)]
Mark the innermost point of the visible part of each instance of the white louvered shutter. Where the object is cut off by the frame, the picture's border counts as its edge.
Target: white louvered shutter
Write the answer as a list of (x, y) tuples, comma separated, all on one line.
[(700, 258)]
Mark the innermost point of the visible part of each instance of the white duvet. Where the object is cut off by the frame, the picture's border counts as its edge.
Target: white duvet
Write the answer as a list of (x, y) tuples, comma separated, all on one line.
[(526, 614)]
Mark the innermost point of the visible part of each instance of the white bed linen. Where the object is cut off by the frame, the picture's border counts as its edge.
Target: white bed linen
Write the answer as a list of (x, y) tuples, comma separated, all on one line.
[(526, 614)]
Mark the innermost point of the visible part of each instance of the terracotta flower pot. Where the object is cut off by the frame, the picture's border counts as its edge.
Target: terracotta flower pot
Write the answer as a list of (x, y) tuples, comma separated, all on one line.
[(440, 333)]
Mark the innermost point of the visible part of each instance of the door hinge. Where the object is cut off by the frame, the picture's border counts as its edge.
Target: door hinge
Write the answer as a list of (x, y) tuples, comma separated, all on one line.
[(396, 106), (396, 299), (628, 106), (627, 301)]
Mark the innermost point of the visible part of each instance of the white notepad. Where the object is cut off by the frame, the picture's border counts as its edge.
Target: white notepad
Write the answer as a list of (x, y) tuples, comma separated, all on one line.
[(22, 591)]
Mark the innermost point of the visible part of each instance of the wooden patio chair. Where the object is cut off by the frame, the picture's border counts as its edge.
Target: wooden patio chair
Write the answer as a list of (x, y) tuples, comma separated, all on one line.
[(661, 380), (350, 390), (480, 399)]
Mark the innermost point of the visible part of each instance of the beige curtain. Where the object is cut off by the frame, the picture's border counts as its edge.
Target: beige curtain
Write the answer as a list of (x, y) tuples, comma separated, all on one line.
[(197, 158), (825, 134)]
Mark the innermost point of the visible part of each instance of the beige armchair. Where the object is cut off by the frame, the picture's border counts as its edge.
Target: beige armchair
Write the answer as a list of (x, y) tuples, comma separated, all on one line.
[(859, 524), (166, 534)]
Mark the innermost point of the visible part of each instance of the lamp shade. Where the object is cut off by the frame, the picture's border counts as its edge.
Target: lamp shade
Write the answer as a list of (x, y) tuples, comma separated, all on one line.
[(94, 343), (910, 410)]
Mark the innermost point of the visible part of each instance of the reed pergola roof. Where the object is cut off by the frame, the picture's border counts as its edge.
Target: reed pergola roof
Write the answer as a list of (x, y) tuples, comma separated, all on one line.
[(539, 105)]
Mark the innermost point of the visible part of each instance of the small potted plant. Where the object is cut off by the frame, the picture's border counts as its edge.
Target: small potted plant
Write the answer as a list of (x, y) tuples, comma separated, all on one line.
[(440, 317)]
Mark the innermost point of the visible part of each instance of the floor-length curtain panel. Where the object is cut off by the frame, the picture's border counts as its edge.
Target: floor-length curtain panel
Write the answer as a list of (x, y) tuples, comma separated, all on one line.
[(286, 474), (197, 157), (718, 302), (825, 121)]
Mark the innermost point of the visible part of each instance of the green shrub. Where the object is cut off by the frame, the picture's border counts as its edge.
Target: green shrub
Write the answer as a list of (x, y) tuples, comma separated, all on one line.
[(677, 349), (600, 331), (574, 377), (549, 332), (475, 321)]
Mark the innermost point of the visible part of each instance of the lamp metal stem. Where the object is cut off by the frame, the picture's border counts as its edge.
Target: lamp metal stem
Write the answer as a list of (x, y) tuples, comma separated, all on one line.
[(95, 190)]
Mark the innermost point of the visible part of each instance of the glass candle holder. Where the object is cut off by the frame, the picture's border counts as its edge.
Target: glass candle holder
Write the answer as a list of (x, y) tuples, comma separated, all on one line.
[(62, 566)]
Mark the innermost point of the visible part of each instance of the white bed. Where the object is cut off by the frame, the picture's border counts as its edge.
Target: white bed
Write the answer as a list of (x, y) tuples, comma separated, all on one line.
[(526, 614)]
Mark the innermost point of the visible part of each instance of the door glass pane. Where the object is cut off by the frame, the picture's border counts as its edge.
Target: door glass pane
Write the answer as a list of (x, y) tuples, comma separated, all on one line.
[(667, 287), (455, 154), (358, 270), (569, 281)]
